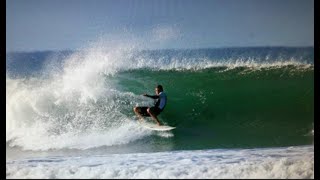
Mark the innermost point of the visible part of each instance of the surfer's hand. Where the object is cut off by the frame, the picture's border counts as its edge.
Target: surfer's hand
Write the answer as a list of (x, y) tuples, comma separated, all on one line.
[(144, 94)]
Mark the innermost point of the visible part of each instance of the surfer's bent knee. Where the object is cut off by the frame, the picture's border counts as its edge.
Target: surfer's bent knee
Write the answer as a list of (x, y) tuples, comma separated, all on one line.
[(149, 110), (135, 109)]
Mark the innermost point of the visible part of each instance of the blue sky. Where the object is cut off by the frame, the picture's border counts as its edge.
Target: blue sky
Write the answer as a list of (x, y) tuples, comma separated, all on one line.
[(157, 24)]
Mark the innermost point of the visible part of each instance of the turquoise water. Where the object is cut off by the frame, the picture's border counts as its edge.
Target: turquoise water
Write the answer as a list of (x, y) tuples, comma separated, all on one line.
[(217, 98), (215, 107)]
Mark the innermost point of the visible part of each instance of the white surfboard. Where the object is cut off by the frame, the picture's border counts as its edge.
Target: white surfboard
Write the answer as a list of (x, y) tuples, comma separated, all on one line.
[(155, 127)]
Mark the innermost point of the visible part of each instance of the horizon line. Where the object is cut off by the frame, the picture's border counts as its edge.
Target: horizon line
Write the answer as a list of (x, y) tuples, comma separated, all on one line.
[(162, 49)]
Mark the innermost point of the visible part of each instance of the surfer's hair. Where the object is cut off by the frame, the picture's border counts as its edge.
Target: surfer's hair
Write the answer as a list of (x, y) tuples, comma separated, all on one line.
[(160, 88)]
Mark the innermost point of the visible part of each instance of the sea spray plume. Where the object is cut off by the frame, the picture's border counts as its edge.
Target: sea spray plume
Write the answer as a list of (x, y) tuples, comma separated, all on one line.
[(74, 109), (63, 109)]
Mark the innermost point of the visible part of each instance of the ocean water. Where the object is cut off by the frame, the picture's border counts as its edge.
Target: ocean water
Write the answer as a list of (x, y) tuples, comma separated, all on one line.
[(238, 113)]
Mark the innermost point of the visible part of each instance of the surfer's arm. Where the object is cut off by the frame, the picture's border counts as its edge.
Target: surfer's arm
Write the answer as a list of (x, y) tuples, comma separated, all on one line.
[(153, 97)]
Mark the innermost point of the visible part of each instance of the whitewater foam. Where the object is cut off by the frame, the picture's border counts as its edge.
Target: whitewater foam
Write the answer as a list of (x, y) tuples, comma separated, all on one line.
[(290, 162), (40, 116)]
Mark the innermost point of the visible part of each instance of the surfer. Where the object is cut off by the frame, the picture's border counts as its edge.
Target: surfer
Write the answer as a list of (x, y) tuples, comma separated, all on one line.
[(160, 103)]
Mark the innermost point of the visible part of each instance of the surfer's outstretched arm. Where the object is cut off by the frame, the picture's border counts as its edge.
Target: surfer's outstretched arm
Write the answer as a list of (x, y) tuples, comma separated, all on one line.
[(153, 97)]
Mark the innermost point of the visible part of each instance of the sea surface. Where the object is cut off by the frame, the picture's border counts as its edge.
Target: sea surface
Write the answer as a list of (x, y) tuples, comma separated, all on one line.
[(238, 112)]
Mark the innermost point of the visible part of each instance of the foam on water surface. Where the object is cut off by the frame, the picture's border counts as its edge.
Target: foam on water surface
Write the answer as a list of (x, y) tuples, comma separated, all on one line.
[(288, 162)]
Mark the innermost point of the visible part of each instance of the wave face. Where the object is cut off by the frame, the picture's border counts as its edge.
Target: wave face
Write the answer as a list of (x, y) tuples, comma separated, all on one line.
[(217, 98)]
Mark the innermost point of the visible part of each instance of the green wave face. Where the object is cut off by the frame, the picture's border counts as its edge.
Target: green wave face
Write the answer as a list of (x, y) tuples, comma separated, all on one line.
[(217, 98), (241, 107)]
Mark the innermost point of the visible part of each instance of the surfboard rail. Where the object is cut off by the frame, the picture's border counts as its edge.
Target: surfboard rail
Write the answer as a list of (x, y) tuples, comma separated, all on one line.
[(156, 127)]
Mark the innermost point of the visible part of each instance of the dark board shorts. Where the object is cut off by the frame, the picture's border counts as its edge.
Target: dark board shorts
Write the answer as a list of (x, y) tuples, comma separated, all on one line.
[(143, 111)]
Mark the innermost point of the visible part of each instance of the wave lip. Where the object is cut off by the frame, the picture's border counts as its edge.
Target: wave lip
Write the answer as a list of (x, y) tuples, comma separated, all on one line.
[(98, 59)]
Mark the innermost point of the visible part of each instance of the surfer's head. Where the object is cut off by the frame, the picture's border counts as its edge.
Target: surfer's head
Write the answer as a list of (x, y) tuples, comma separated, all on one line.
[(158, 89)]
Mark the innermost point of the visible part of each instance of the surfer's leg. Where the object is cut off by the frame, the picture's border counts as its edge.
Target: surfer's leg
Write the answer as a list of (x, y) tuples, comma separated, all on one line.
[(136, 111), (140, 112), (152, 114)]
